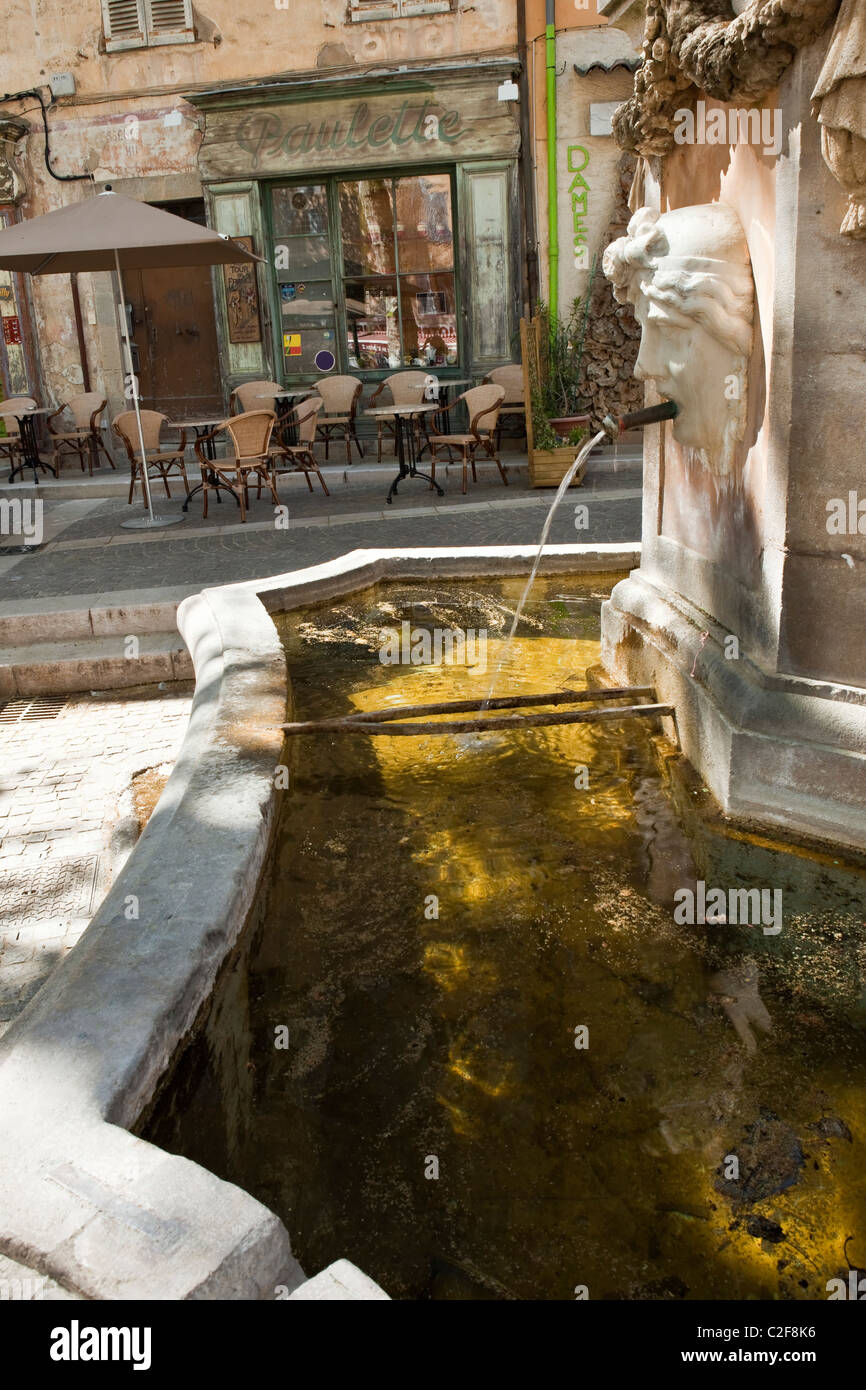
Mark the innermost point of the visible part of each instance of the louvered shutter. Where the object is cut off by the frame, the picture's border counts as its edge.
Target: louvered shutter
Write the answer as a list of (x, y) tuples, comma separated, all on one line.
[(124, 22), (169, 20)]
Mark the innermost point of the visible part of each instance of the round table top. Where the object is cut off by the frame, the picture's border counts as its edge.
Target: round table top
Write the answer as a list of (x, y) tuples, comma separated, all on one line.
[(17, 412), (419, 409)]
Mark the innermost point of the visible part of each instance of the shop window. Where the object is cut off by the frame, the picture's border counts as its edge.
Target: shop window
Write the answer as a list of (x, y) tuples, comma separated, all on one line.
[(302, 258), (400, 229), (397, 9), (146, 23), (373, 260)]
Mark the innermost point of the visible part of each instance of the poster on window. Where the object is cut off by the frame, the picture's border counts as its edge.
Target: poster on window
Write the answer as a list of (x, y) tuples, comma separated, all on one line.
[(11, 330), (242, 298)]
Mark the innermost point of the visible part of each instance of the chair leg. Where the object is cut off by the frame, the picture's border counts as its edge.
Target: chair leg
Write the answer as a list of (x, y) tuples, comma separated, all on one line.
[(165, 481), (432, 471), (204, 493), (464, 469), (348, 437), (131, 484)]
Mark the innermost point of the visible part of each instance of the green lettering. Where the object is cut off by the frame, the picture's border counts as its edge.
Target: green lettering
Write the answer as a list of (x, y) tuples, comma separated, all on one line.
[(383, 124), (449, 123)]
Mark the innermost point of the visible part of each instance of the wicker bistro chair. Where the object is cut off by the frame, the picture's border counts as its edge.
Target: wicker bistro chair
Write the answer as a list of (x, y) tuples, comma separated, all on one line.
[(514, 403), (255, 395), (407, 388), (86, 438), (482, 405), (10, 442), (299, 458), (250, 438), (161, 463), (340, 396)]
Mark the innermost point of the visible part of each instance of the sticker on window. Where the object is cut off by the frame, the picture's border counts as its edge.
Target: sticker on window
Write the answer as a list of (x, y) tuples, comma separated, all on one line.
[(292, 344), (325, 360)]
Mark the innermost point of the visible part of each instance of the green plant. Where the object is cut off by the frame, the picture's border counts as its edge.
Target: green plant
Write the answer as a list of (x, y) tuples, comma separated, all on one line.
[(561, 355), (555, 359), (575, 435)]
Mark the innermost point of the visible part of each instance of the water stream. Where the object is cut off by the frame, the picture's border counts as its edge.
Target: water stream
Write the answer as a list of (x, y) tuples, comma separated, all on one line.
[(545, 532)]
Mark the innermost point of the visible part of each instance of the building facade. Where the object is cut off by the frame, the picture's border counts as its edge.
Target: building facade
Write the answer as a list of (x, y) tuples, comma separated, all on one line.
[(386, 159)]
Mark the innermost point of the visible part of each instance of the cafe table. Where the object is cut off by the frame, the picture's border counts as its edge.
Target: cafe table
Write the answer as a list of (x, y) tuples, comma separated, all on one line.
[(287, 423), (29, 446), (203, 427), (405, 446)]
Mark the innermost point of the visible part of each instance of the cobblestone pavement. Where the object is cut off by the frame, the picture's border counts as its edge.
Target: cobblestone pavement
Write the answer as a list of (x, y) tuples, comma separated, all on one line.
[(67, 764), (87, 552)]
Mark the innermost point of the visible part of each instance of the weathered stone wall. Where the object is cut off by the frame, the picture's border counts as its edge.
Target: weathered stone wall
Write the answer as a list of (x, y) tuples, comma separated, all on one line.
[(612, 334)]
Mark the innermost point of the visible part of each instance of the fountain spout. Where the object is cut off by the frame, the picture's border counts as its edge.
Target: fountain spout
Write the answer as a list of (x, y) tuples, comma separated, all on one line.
[(617, 425)]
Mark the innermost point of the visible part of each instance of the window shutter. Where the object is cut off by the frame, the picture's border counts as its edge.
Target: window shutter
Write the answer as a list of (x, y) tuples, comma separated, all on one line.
[(166, 17), (124, 23)]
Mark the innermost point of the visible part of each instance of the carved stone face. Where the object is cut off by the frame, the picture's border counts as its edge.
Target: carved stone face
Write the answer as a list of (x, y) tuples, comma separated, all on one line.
[(691, 367), (688, 275)]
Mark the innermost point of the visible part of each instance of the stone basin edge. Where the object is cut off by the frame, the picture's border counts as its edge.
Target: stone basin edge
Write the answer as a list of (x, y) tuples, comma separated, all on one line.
[(82, 1200)]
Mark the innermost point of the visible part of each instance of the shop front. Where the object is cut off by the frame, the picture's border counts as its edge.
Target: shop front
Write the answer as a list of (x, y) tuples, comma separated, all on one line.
[(386, 213)]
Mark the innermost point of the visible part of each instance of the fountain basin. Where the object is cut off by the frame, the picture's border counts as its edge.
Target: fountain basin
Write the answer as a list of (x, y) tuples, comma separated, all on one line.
[(95, 1207)]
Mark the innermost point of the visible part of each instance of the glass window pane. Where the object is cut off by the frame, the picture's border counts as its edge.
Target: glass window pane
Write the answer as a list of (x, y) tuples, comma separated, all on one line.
[(424, 234), (373, 328), (295, 257), (307, 325), (367, 222), (429, 309), (301, 210)]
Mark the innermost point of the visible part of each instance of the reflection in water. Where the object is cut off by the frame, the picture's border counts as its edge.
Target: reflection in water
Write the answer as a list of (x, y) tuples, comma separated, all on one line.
[(440, 920)]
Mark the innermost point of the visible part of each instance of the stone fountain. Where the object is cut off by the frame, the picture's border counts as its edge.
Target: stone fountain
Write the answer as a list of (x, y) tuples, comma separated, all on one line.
[(746, 264)]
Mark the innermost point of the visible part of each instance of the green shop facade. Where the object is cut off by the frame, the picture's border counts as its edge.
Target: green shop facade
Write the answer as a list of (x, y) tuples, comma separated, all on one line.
[(386, 212)]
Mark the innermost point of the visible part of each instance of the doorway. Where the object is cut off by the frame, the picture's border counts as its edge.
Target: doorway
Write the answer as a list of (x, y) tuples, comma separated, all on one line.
[(173, 330)]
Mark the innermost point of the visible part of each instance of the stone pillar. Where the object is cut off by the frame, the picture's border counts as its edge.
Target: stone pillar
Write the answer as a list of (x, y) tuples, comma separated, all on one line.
[(747, 612)]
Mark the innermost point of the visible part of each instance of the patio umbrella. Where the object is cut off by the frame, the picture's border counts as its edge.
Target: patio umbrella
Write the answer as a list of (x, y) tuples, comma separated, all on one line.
[(111, 232)]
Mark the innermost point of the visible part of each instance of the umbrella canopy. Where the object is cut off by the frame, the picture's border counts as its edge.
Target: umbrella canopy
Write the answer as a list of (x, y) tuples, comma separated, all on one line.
[(99, 232), (110, 232)]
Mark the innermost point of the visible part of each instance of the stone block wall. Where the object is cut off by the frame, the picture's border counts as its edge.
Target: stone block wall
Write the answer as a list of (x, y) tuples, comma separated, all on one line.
[(612, 334)]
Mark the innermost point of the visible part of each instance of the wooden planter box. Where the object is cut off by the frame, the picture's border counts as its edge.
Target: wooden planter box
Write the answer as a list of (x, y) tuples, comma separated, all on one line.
[(548, 467)]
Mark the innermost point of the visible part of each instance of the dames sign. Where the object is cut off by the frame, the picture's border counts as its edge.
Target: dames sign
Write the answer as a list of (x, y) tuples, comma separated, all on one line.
[(346, 134)]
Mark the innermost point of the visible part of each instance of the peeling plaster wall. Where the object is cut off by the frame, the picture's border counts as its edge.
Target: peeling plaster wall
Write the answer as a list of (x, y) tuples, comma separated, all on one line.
[(116, 127)]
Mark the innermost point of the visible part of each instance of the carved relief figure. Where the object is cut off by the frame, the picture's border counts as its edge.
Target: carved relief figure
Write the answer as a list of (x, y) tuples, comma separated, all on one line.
[(688, 275), (839, 102)]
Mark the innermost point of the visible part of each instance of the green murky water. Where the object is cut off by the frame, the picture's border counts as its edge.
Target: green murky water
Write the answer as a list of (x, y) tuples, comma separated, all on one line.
[(444, 917)]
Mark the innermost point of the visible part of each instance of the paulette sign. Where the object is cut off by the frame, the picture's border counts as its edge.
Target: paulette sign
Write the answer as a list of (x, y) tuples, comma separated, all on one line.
[(351, 133)]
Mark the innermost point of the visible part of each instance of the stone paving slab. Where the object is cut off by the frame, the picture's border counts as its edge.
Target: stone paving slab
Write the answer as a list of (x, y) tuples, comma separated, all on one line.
[(61, 789), (194, 559)]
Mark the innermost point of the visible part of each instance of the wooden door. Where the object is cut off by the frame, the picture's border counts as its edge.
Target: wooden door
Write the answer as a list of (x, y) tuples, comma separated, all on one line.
[(174, 334)]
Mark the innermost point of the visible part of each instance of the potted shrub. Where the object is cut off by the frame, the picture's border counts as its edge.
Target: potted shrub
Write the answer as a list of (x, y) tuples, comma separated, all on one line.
[(557, 421)]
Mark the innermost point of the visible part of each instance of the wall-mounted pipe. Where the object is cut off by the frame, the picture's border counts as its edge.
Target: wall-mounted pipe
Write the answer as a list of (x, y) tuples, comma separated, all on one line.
[(552, 207)]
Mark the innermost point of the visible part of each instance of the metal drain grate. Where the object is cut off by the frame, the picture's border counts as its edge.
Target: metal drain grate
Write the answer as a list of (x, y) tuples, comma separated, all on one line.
[(21, 711), (62, 889)]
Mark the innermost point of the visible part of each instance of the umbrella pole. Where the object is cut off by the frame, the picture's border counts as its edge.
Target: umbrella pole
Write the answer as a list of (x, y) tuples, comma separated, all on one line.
[(150, 519)]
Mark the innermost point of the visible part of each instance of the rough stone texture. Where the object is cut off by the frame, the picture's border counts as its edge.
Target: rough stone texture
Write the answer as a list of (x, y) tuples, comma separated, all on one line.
[(613, 334), (60, 792), (839, 103), (775, 724), (340, 1282), (695, 46)]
